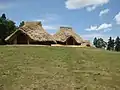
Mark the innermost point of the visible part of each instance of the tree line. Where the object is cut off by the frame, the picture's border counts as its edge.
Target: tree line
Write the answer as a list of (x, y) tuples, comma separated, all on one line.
[(111, 45)]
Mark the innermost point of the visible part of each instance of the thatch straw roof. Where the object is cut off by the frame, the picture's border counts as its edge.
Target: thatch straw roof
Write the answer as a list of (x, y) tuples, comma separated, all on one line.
[(64, 33), (86, 42), (35, 31)]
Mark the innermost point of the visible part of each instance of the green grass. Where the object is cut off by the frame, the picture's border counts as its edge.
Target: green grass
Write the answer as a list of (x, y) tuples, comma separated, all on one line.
[(58, 68)]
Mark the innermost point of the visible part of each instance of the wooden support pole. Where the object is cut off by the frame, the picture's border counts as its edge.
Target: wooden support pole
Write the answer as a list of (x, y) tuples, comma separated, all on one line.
[(28, 41), (74, 42), (15, 41), (66, 42)]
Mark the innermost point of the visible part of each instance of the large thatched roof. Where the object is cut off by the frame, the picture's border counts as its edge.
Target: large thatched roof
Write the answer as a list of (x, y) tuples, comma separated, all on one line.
[(64, 33), (34, 31)]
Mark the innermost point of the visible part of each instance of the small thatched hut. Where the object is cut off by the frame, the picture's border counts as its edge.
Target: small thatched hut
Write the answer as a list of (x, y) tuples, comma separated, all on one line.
[(31, 33), (66, 36), (86, 43)]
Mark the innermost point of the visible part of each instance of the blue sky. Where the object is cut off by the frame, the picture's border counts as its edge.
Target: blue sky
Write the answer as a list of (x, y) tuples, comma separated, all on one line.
[(89, 18)]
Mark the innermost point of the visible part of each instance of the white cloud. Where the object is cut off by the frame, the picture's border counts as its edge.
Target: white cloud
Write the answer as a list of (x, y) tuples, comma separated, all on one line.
[(48, 18), (91, 35), (104, 26), (90, 4), (43, 20), (50, 27), (49, 21), (98, 35), (91, 8), (104, 12), (40, 20), (117, 18), (92, 28), (53, 27), (101, 27)]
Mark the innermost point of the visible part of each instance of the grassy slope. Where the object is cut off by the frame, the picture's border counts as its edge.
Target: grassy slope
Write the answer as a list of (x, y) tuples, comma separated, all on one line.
[(55, 68)]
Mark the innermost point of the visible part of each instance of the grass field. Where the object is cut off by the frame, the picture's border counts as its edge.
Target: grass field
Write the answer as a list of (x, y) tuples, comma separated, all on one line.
[(58, 68)]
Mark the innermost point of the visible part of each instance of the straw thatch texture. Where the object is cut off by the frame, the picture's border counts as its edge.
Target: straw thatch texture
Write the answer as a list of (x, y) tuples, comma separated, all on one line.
[(64, 33), (86, 43), (34, 31)]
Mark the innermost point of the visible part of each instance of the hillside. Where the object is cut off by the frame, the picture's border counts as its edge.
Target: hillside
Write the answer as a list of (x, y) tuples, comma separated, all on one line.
[(58, 68)]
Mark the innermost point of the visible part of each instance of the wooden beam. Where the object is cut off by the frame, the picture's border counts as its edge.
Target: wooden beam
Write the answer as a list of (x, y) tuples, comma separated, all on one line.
[(28, 42)]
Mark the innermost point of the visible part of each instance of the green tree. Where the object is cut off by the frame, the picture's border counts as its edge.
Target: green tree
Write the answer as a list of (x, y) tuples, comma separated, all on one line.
[(100, 43), (117, 44), (2, 33), (6, 28), (95, 42), (111, 44), (3, 27), (3, 16), (21, 24)]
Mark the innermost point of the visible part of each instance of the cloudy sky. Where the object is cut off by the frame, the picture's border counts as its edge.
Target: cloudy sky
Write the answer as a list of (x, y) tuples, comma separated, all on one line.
[(89, 18)]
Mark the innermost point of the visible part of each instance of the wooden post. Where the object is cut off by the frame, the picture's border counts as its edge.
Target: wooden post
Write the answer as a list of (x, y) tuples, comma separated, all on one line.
[(28, 41), (73, 42), (15, 41)]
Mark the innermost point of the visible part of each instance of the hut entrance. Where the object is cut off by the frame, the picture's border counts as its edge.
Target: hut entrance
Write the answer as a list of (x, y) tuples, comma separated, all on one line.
[(22, 39), (70, 41)]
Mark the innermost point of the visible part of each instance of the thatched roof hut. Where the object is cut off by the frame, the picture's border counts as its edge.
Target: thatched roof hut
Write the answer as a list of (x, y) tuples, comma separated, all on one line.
[(31, 33), (86, 43), (67, 36)]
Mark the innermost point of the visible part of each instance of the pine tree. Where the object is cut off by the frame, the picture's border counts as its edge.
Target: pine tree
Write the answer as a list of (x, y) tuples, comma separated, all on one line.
[(117, 44), (21, 24), (111, 44), (95, 42), (3, 16)]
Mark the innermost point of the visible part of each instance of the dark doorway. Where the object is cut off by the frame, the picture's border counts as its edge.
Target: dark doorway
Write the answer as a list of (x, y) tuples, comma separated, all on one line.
[(70, 41), (21, 39)]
